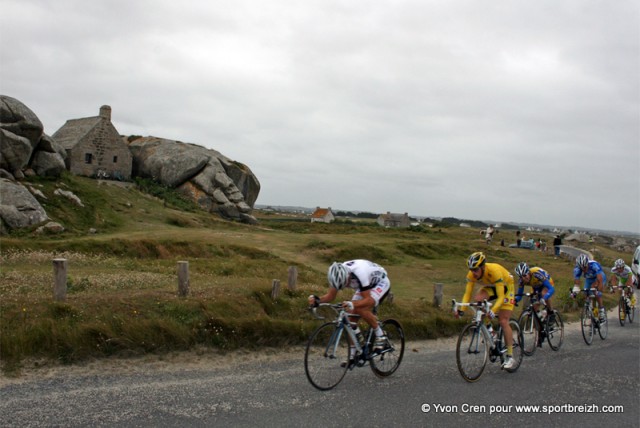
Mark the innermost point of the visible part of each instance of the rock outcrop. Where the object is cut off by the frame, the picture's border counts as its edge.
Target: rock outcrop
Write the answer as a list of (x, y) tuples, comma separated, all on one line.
[(213, 181), (18, 207), (23, 144)]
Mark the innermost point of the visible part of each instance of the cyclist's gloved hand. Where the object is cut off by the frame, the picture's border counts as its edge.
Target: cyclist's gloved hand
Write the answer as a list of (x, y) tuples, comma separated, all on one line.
[(347, 304), (314, 300), (490, 314), (544, 302)]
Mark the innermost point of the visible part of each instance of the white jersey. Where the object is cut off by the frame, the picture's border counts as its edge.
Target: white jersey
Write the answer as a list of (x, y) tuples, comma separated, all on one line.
[(624, 274), (367, 276)]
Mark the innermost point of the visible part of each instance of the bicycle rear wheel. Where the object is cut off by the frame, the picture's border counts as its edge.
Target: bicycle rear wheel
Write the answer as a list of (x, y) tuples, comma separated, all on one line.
[(622, 310), (326, 357), (555, 331), (603, 326), (586, 320), (529, 333), (388, 360), (471, 353)]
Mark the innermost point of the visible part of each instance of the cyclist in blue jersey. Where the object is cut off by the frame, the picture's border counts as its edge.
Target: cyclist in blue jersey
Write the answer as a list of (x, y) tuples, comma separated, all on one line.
[(594, 277), (541, 283)]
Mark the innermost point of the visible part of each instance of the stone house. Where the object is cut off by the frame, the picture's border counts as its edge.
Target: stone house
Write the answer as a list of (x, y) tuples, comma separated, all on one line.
[(323, 215), (394, 220), (95, 148)]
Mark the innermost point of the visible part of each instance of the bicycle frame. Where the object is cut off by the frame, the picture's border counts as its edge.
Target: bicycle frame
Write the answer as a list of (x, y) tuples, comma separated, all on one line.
[(478, 314), (343, 323)]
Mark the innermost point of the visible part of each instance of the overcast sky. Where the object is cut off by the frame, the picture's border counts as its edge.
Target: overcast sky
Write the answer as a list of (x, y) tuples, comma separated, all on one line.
[(524, 111)]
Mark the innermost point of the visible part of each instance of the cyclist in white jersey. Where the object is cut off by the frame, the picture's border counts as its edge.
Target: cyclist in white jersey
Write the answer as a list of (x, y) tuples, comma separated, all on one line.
[(622, 275), (371, 284)]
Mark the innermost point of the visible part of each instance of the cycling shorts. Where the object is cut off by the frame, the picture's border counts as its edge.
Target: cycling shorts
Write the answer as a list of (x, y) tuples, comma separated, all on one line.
[(509, 297), (378, 292)]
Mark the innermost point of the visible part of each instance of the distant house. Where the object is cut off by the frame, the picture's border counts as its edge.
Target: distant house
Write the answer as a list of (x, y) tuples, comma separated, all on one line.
[(94, 147), (322, 215), (394, 220)]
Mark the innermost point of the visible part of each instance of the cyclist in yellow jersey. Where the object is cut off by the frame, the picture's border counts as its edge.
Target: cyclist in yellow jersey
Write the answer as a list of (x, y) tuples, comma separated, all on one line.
[(497, 285)]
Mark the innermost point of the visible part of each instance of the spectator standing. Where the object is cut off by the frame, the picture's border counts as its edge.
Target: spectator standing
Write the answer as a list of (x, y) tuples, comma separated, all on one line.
[(557, 241)]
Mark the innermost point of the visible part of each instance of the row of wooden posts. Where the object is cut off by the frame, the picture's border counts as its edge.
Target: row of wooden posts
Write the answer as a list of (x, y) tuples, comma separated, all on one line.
[(60, 282)]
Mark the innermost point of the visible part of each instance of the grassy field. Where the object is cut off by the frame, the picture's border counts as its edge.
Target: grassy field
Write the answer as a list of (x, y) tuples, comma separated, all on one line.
[(122, 280)]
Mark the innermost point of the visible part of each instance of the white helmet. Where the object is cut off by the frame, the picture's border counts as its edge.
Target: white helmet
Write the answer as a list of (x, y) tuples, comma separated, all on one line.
[(582, 261), (619, 264), (337, 275)]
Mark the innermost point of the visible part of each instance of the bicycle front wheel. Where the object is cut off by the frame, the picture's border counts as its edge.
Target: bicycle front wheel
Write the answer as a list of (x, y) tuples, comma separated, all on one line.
[(555, 331), (471, 353), (603, 326), (529, 333), (586, 320), (388, 360), (327, 356), (622, 310)]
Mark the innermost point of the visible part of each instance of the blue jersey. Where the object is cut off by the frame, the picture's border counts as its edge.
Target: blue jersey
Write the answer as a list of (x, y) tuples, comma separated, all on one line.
[(593, 270), (539, 280)]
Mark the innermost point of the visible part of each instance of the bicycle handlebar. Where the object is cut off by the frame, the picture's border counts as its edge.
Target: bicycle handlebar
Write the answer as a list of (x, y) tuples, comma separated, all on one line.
[(484, 305), (337, 308)]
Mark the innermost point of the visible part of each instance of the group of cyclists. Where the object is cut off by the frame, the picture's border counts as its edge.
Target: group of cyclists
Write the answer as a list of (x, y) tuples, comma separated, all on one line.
[(371, 284)]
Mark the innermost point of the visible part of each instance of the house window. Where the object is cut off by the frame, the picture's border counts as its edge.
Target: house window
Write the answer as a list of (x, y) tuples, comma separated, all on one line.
[(115, 159), (88, 157)]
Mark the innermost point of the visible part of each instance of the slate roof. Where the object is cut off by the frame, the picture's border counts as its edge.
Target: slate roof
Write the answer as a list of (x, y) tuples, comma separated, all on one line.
[(73, 131)]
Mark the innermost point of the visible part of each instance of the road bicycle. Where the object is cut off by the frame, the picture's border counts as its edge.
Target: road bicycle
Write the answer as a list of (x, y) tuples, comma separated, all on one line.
[(326, 359), (590, 317), (476, 345), (536, 325), (626, 304)]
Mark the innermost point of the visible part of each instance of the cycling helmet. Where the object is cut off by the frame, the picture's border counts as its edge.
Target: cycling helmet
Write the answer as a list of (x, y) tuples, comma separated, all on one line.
[(522, 269), (619, 264), (476, 260), (582, 261), (338, 275)]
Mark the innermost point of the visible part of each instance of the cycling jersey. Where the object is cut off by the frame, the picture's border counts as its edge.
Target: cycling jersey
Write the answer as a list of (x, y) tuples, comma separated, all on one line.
[(590, 276), (623, 276), (539, 279), (498, 283), (365, 275)]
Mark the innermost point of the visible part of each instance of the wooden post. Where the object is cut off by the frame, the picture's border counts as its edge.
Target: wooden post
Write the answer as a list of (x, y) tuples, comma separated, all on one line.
[(183, 278), (437, 294), (293, 278), (59, 280), (275, 289)]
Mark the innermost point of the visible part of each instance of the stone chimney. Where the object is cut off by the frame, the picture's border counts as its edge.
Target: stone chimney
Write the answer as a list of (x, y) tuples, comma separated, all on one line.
[(105, 112)]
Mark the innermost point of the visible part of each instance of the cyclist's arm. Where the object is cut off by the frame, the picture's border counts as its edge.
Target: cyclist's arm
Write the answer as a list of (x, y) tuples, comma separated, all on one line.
[(520, 291), (577, 273), (600, 280), (550, 289), (330, 296), (467, 295)]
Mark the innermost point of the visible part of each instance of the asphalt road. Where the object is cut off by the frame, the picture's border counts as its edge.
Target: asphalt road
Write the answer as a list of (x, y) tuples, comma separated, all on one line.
[(272, 390)]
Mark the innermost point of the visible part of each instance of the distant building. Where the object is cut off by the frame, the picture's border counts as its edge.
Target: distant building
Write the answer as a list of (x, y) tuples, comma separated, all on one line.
[(394, 220), (95, 148), (322, 215)]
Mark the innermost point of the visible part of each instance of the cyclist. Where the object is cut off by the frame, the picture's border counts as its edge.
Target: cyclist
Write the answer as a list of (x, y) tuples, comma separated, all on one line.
[(622, 276), (372, 285), (594, 277), (541, 283), (497, 284)]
